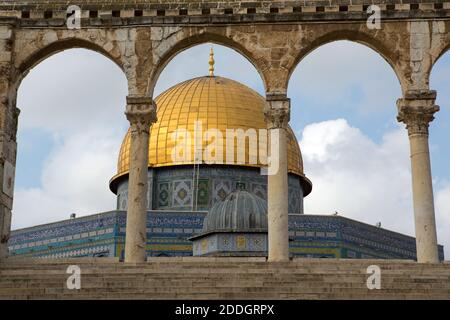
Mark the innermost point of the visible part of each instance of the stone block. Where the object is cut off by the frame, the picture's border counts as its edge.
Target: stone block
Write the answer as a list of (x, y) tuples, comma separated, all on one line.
[(127, 13), (172, 12), (5, 56), (5, 33), (84, 14), (59, 14), (194, 12), (286, 10), (262, 10), (355, 8), (35, 14), (402, 7), (10, 13), (216, 11), (332, 9), (149, 13), (309, 9), (105, 14), (426, 6)]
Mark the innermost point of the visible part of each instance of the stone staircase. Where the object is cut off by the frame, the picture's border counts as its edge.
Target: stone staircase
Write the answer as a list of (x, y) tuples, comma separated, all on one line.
[(223, 278)]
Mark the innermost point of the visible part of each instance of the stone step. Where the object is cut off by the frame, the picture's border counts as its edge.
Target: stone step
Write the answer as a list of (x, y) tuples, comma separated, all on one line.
[(216, 284), (232, 296), (181, 275), (229, 296), (209, 289), (223, 279), (217, 261), (298, 271), (199, 262), (206, 269), (290, 277), (167, 281), (225, 261)]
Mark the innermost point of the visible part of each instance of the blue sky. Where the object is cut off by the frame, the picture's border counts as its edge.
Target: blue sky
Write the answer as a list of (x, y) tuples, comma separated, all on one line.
[(343, 111)]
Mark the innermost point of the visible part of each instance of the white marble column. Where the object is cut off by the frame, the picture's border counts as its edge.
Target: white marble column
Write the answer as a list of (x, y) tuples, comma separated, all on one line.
[(141, 113), (417, 110), (277, 116)]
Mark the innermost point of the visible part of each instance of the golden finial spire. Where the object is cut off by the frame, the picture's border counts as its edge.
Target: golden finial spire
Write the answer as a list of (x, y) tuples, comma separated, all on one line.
[(211, 63)]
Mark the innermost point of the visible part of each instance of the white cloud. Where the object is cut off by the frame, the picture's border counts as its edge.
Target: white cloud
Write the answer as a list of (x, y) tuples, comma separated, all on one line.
[(74, 180), (364, 180), (71, 92), (346, 74)]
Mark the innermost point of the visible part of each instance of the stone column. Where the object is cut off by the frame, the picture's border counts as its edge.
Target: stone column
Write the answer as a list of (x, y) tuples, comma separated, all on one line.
[(8, 152), (417, 110), (141, 112), (277, 116), (8, 129)]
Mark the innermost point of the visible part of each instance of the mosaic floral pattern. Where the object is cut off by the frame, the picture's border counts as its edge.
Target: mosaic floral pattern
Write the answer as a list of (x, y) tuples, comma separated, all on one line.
[(182, 193), (163, 194), (222, 188)]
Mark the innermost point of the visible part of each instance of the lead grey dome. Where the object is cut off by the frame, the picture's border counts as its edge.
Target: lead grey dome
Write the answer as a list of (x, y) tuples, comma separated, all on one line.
[(241, 211)]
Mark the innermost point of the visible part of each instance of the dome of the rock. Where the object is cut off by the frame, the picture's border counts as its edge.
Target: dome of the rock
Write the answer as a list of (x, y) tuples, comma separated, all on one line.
[(224, 106), (216, 102)]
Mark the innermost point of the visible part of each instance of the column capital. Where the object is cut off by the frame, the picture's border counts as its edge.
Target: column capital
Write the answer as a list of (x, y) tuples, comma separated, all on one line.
[(417, 110), (277, 111), (141, 113)]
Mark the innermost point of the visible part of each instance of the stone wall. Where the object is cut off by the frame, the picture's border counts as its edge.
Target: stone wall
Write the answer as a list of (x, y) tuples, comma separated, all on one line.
[(226, 7)]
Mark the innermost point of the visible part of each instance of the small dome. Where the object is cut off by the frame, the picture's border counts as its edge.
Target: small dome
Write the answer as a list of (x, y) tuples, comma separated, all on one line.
[(241, 211)]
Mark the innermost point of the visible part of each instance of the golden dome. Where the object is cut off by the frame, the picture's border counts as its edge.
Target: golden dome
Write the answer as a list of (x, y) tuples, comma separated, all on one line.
[(217, 103)]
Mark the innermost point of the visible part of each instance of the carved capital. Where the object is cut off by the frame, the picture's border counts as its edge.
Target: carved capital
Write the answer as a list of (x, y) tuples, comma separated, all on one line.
[(277, 112), (141, 113), (417, 110)]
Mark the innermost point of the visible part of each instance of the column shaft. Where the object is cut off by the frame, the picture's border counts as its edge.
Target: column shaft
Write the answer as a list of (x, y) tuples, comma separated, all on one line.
[(417, 110), (141, 114), (277, 202), (425, 224), (277, 115)]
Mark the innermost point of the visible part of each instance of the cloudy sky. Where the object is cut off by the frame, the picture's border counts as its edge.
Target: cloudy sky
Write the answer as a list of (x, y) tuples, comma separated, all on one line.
[(343, 112)]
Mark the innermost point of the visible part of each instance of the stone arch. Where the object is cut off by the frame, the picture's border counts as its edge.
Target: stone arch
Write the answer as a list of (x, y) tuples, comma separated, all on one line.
[(38, 56), (56, 47), (357, 36), (193, 40), (444, 50)]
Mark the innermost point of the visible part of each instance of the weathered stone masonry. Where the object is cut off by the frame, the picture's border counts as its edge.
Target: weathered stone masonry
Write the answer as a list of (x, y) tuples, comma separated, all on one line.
[(141, 37)]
